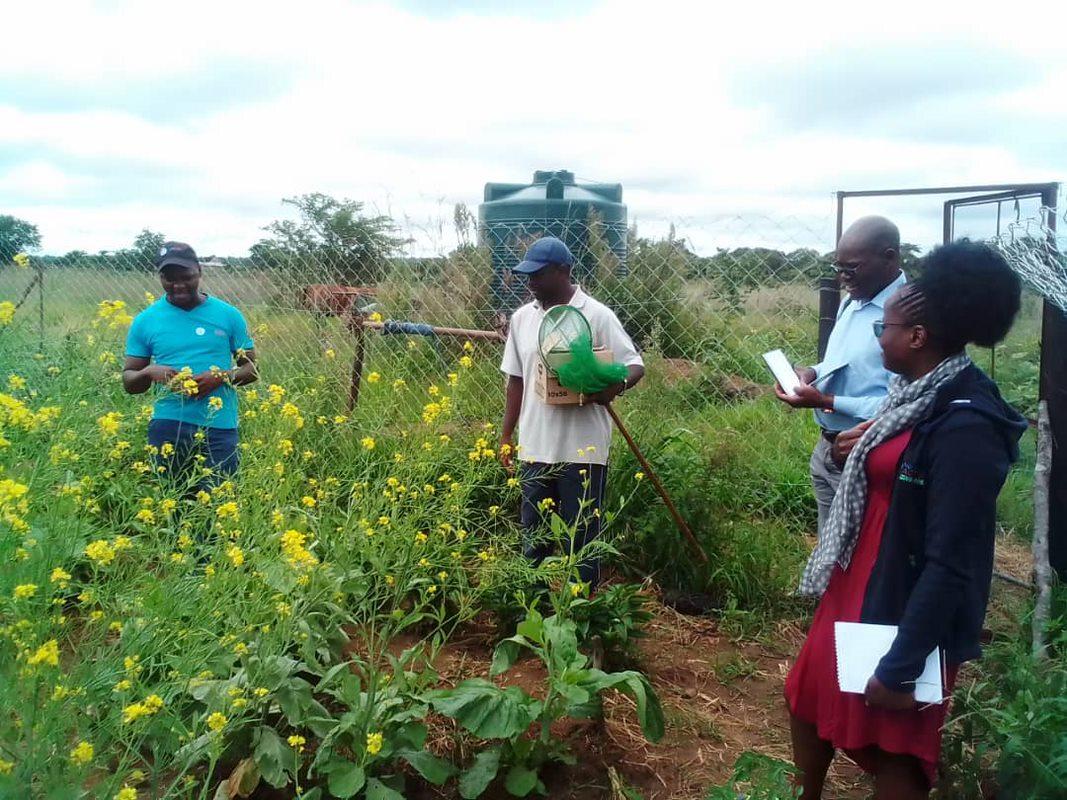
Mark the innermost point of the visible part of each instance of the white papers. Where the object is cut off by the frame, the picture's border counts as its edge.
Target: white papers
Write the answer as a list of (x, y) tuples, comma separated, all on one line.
[(860, 646), (782, 370)]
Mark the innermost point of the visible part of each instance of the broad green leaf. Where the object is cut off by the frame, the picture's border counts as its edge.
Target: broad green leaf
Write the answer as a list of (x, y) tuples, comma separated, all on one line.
[(412, 734), (485, 709), (345, 778), (505, 654), (272, 756), (520, 780), (294, 696), (480, 774), (376, 790), (561, 640), (532, 627), (435, 770), (634, 685)]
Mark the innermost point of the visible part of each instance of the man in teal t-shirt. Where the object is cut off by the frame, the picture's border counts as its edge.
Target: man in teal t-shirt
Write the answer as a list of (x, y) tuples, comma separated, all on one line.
[(195, 349)]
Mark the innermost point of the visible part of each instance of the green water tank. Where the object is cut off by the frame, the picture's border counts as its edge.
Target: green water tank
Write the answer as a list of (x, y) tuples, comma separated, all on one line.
[(589, 217)]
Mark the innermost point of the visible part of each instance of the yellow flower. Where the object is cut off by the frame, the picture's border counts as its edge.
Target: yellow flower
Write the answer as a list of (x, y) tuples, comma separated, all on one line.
[(513, 483), (82, 753), (375, 317), (297, 742), (100, 552), (216, 722), (215, 402), (146, 515), (330, 353), (203, 497), (399, 384), (420, 538), (466, 362), (109, 423), (235, 554), (367, 442), (21, 260), (374, 377), (442, 576), (468, 346), (309, 501), (7, 313), (126, 793), (25, 590), (15, 382), (374, 743), (227, 510), (546, 504), (390, 580), (59, 575), (149, 706), (639, 476), (47, 653), (122, 686)]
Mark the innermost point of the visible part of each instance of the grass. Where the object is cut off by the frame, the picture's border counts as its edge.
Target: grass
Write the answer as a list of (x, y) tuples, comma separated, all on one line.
[(175, 615)]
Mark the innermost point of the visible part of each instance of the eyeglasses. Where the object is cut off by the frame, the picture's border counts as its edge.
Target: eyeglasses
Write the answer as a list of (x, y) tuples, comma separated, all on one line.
[(843, 269), (880, 326)]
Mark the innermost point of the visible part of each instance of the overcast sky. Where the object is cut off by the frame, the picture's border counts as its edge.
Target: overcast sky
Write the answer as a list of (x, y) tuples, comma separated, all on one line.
[(196, 118)]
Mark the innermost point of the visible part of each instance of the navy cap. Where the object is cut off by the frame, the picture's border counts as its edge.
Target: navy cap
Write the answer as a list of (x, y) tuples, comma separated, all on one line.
[(178, 253), (546, 250)]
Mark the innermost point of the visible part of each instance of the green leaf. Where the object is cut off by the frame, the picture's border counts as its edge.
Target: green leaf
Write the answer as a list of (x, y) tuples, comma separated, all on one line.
[(345, 778), (520, 780), (505, 654), (376, 790), (634, 685), (435, 770), (532, 627), (480, 774), (485, 709), (294, 697), (561, 640), (272, 756)]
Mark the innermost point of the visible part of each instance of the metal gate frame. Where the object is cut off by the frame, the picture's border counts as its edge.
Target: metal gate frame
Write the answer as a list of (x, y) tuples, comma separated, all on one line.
[(1053, 380)]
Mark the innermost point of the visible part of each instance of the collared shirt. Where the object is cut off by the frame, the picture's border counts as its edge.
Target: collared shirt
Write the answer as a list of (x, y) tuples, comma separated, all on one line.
[(852, 369), (198, 339), (553, 434)]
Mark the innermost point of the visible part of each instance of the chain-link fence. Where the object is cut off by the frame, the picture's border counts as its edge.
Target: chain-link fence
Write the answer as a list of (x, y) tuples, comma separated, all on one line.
[(702, 304)]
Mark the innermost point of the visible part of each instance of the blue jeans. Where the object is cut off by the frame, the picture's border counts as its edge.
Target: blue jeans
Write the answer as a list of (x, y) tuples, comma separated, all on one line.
[(218, 446), (565, 485)]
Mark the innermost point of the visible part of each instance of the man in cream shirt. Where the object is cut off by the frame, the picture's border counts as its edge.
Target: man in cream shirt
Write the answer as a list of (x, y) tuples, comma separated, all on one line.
[(563, 449)]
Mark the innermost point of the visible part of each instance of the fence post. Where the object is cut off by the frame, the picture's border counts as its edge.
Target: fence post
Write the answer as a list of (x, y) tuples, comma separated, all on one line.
[(1053, 390), (829, 292), (359, 347)]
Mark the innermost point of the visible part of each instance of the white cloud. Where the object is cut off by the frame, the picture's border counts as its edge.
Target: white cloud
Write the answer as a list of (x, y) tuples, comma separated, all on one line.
[(412, 113)]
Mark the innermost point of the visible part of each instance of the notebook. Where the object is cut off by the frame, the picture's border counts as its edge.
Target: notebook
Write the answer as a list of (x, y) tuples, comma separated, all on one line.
[(860, 646)]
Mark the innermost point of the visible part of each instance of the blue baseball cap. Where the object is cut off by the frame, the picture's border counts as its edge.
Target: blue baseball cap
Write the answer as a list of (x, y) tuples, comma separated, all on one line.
[(546, 250)]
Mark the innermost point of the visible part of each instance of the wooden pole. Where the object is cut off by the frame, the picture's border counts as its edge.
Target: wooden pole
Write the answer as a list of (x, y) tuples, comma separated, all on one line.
[(678, 521), (1042, 569), (360, 345)]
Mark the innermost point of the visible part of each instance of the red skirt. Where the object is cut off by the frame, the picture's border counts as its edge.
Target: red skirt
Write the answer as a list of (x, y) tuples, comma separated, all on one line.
[(811, 689)]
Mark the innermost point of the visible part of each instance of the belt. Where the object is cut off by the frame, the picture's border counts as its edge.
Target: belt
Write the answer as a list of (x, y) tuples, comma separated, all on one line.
[(830, 436)]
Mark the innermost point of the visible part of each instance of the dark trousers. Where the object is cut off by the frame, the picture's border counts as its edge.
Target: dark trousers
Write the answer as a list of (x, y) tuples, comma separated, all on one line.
[(575, 497), (218, 446)]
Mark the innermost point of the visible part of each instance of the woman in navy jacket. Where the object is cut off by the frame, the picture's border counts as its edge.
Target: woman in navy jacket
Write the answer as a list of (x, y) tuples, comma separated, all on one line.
[(909, 540)]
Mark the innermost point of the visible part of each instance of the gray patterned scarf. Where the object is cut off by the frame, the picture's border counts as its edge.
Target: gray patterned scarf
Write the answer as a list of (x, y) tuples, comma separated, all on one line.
[(906, 405)]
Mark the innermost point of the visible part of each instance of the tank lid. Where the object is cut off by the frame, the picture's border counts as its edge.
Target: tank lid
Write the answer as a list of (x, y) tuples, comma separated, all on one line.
[(545, 175)]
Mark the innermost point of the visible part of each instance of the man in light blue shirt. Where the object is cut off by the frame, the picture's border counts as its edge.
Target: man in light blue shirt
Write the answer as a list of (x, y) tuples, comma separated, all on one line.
[(194, 348), (847, 387)]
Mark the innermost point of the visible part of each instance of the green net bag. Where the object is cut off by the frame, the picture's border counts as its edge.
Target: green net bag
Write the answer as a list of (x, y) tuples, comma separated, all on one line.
[(566, 344)]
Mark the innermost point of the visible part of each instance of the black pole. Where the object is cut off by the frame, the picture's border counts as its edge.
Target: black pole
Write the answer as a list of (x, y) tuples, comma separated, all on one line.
[(829, 292), (1053, 390)]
